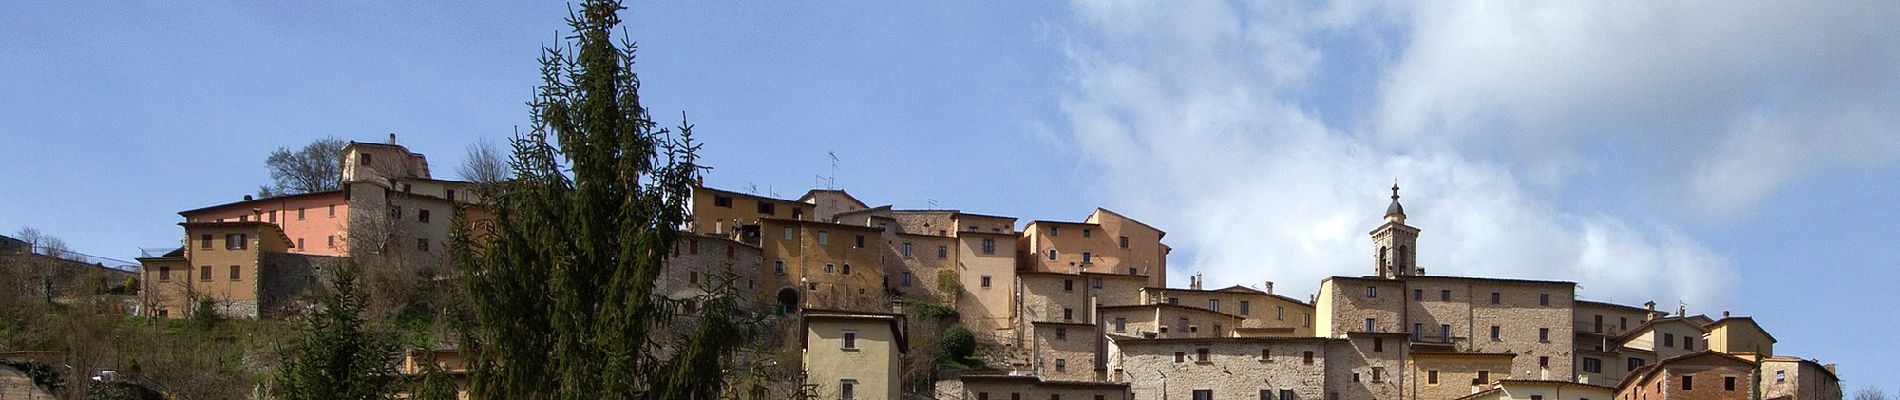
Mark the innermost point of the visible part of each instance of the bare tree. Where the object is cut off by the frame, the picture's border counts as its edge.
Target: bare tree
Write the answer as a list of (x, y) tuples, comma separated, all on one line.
[(45, 244), (484, 164), (316, 167), (1870, 393)]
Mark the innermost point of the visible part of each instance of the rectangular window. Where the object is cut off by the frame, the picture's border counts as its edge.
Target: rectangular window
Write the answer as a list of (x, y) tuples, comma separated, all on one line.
[(830, 268), (1378, 374), (986, 281), (1372, 291), (1418, 332), (1200, 354), (850, 339), (722, 201), (943, 252), (1634, 363), (1124, 242), (1068, 285), (1087, 233), (1174, 300), (1370, 324), (1266, 355), (1444, 295), (204, 241), (1728, 383), (1203, 394), (234, 273), (1279, 313), (788, 233), (1688, 382), (299, 213), (692, 246), (1669, 340), (299, 243), (235, 241), (330, 241), (1688, 344), (906, 278), (1052, 254), (1055, 231), (1287, 394), (422, 244), (422, 216), (1495, 297), (1543, 362), (767, 208), (1245, 307), (164, 273), (1096, 283), (204, 273), (363, 159), (857, 242), (1121, 324), (1592, 365), (1378, 345), (989, 246), (332, 211), (824, 238), (1418, 294), (1431, 377), (1180, 356), (1062, 333), (1087, 257), (778, 267), (847, 389), (1307, 358), (1068, 314), (1213, 304), (906, 250), (1483, 378), (1543, 334), (451, 194), (1494, 332), (1266, 394), (1061, 365), (1543, 299)]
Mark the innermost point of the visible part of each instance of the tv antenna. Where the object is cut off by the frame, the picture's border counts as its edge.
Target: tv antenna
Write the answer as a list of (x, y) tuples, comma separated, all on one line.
[(831, 182)]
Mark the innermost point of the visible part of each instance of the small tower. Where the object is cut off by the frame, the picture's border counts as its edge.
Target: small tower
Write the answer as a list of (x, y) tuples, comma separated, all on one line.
[(1397, 242)]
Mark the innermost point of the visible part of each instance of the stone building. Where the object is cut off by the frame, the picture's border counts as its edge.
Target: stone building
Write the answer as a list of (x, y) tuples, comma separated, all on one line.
[(1699, 375), (1795, 378), (1513, 389)]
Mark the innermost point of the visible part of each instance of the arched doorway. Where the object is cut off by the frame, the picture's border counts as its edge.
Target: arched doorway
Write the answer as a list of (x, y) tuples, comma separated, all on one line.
[(788, 300)]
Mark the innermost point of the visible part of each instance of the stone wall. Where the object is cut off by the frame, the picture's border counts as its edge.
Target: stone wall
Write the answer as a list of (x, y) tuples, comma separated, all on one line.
[(1073, 344), (1234, 368), (1457, 373), (699, 260), (287, 278)]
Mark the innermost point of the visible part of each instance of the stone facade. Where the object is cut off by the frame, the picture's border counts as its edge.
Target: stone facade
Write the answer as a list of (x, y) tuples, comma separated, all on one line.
[(1798, 379), (1704, 375), (1262, 312), (1231, 368), (1024, 387), (699, 260), (1165, 320), (1066, 351)]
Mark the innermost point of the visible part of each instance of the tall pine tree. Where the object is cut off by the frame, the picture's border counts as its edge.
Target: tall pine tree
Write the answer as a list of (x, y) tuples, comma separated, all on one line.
[(561, 279), (336, 356)]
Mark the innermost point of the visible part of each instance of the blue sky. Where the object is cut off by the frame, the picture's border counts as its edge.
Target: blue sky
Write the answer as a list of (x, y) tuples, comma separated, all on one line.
[(1730, 158)]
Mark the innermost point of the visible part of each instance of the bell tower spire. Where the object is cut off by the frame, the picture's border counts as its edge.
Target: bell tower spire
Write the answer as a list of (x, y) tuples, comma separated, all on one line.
[(1397, 243)]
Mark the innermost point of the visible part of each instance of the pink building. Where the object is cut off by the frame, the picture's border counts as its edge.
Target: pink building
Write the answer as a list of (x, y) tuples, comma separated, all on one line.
[(316, 223)]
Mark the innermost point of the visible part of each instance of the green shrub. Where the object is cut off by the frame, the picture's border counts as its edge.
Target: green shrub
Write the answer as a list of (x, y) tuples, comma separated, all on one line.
[(957, 344)]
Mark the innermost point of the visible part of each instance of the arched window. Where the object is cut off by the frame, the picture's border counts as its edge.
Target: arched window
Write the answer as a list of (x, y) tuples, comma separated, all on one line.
[(1401, 258), (1382, 264)]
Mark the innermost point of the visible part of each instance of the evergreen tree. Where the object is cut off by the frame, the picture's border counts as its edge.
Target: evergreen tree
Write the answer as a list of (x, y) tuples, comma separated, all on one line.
[(561, 278), (335, 356)]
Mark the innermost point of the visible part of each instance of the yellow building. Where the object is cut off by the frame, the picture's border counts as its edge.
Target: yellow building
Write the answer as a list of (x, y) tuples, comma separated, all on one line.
[(851, 355)]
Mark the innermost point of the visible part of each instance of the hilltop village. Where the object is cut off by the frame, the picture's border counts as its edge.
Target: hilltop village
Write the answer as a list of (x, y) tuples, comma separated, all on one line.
[(1058, 310)]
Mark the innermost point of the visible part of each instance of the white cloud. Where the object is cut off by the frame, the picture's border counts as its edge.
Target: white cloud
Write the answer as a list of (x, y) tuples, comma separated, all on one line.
[(1205, 119)]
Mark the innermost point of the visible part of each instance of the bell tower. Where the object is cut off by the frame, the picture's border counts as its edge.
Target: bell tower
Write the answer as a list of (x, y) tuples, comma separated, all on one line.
[(1397, 243)]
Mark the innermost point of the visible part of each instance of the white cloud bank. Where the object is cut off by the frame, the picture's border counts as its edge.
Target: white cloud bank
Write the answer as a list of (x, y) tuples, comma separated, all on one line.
[(1203, 118)]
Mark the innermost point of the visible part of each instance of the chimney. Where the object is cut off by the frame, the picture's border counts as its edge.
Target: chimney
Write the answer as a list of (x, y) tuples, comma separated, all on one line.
[(1651, 306), (392, 138), (1682, 310), (1194, 282), (1724, 314), (1269, 287), (247, 197)]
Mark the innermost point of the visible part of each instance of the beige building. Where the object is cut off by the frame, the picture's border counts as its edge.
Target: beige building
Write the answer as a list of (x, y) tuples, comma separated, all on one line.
[(1514, 389), (1263, 313), (853, 355), (244, 268), (1105, 242), (982, 386), (1794, 378)]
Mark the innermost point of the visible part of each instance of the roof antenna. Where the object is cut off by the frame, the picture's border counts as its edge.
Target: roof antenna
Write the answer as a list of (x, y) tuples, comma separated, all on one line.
[(932, 202), (831, 182)]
